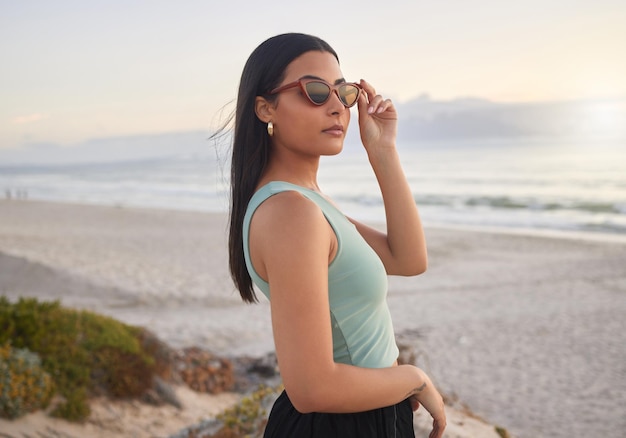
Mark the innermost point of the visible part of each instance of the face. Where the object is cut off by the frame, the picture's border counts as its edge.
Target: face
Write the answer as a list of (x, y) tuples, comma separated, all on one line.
[(302, 127)]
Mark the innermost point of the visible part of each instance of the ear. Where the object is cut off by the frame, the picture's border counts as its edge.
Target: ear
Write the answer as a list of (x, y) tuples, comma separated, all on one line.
[(264, 109)]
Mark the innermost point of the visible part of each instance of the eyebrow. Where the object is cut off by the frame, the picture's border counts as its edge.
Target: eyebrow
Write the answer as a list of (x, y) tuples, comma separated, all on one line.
[(338, 81)]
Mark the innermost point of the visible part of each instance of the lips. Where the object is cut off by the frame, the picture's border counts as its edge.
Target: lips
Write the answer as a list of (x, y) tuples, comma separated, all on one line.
[(335, 130)]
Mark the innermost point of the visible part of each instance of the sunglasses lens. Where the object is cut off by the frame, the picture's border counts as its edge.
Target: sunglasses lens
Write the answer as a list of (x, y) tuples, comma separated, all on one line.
[(349, 94), (318, 92)]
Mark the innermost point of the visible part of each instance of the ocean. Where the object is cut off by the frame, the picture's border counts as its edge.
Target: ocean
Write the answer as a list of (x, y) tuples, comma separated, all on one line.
[(529, 184)]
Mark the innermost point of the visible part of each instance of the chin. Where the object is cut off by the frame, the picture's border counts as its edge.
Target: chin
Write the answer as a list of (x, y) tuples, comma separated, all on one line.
[(332, 149), (330, 153)]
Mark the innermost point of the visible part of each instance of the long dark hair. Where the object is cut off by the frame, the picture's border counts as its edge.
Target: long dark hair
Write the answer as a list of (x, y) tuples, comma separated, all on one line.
[(263, 71)]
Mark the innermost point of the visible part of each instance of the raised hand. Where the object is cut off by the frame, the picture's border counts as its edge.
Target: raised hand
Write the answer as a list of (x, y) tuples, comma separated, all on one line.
[(378, 119)]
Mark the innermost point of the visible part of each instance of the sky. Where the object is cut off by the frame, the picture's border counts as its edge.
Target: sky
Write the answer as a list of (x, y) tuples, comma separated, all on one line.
[(74, 71)]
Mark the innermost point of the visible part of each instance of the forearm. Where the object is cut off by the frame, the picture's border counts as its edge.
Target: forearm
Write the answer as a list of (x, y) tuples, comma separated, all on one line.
[(347, 388), (405, 235)]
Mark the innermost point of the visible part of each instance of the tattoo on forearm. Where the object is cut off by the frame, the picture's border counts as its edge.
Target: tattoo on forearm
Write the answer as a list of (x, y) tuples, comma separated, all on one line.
[(417, 390)]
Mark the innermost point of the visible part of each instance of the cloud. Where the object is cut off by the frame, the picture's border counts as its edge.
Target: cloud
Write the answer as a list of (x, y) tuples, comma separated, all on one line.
[(426, 119), (31, 118), (113, 149)]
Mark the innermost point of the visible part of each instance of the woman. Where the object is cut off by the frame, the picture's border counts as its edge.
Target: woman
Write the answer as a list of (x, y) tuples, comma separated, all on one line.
[(325, 274)]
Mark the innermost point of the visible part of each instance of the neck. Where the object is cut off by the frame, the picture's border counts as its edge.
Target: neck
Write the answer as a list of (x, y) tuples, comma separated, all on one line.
[(301, 171)]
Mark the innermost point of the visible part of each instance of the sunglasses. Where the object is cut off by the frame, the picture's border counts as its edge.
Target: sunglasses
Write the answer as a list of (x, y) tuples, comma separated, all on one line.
[(318, 91)]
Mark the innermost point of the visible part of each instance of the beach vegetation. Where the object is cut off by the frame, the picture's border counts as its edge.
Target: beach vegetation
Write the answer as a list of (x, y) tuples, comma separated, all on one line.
[(248, 417), (24, 385), (84, 353), (502, 432)]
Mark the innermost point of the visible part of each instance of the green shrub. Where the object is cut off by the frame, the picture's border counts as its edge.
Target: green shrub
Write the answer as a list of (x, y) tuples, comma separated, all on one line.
[(24, 385), (502, 432), (76, 406), (248, 417), (85, 353)]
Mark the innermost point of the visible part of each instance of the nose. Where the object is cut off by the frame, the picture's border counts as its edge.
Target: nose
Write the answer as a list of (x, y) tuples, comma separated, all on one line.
[(335, 103)]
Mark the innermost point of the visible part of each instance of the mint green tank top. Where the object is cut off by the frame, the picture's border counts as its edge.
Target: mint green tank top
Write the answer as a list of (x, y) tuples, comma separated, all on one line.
[(357, 286)]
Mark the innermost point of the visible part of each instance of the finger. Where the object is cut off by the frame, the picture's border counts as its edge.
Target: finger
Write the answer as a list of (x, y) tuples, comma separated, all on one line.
[(363, 101), (368, 88), (384, 106), (438, 428), (370, 94), (364, 97), (436, 432), (375, 104)]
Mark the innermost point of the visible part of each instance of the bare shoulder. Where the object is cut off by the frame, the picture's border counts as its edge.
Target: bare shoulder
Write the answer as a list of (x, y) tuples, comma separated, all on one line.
[(288, 223), (288, 212)]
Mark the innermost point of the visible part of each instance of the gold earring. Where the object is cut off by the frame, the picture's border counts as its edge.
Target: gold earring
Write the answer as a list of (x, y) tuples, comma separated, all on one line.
[(270, 129)]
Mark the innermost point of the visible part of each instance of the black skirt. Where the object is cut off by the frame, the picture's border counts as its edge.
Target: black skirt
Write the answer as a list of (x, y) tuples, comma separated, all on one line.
[(390, 422)]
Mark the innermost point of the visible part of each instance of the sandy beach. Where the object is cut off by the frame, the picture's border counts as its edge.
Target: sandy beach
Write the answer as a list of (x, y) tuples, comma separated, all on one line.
[(526, 330)]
